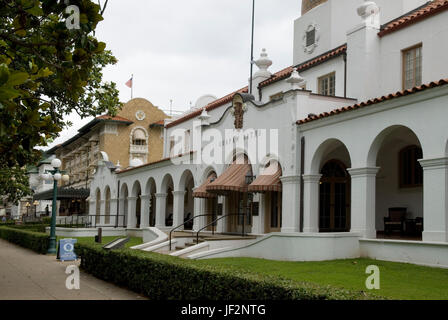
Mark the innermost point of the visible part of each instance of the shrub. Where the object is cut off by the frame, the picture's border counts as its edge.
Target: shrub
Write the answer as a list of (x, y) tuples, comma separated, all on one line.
[(7, 223), (31, 227), (46, 220), (163, 277), (35, 241)]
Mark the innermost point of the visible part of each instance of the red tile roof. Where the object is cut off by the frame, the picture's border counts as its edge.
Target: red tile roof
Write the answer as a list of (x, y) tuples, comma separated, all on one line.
[(421, 13), (158, 123), (116, 118), (215, 104), (283, 74), (286, 73), (375, 101)]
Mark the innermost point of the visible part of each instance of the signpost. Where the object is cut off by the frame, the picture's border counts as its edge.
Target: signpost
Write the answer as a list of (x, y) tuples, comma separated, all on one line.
[(66, 250)]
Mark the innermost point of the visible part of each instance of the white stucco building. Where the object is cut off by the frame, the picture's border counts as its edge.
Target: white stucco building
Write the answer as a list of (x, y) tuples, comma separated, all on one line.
[(357, 126)]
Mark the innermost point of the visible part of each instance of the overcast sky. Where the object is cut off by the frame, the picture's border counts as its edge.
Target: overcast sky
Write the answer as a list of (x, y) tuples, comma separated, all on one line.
[(181, 50)]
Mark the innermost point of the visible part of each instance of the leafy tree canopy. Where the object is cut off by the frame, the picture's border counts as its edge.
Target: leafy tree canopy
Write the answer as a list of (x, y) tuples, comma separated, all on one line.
[(49, 68)]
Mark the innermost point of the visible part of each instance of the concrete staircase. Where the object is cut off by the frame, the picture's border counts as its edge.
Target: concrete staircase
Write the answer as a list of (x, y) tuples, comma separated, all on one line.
[(184, 244)]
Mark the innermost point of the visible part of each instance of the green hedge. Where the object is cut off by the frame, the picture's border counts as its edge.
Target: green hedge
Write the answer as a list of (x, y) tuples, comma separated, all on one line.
[(31, 227), (35, 241), (162, 277)]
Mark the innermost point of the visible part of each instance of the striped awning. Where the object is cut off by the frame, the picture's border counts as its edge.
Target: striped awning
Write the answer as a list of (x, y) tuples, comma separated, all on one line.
[(269, 180), (233, 179), (201, 192)]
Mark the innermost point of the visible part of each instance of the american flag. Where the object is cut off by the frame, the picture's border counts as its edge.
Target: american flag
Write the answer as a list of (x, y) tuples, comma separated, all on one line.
[(129, 83)]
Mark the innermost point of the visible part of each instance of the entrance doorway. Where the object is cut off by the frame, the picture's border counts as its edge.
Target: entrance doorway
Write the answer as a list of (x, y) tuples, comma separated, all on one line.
[(241, 215), (334, 198)]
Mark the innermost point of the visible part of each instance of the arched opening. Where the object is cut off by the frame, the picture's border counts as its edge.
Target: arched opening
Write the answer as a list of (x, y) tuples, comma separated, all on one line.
[(168, 188), (273, 197), (125, 203), (240, 202), (188, 201), (334, 198), (331, 161), (107, 204), (98, 207), (137, 193), (211, 205), (151, 191), (399, 184)]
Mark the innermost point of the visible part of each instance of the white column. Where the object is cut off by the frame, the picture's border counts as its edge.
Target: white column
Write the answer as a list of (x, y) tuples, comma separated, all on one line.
[(290, 204), (311, 203), (198, 210), (261, 228), (92, 211), (435, 199), (113, 212), (102, 212), (363, 201), (178, 208), (132, 207), (160, 209), (146, 204), (122, 218)]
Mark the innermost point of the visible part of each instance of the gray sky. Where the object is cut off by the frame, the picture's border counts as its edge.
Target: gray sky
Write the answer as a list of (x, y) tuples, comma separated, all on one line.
[(181, 50)]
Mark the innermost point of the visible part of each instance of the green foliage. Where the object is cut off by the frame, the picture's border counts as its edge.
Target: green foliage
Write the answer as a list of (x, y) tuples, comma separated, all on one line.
[(46, 220), (35, 227), (163, 277), (47, 71), (35, 241)]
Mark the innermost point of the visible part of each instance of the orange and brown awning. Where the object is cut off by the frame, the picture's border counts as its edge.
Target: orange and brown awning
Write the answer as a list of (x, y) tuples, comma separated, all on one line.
[(233, 179), (201, 192), (269, 180)]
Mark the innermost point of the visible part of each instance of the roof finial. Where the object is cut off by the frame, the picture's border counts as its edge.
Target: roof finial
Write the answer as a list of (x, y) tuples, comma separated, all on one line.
[(296, 80)]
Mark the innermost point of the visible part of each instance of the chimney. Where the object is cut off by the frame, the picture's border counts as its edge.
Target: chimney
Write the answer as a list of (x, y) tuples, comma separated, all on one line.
[(263, 63)]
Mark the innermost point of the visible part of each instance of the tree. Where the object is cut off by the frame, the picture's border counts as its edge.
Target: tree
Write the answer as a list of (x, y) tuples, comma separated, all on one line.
[(50, 66)]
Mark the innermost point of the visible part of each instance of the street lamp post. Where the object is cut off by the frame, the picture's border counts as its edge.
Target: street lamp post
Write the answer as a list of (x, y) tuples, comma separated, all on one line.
[(35, 203), (55, 176), (28, 205)]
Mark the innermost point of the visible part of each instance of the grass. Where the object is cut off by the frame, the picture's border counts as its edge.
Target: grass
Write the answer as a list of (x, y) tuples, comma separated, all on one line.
[(134, 241), (397, 280)]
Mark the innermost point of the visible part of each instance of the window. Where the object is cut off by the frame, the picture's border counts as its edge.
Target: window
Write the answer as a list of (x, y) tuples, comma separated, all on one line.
[(412, 67), (327, 84), (172, 146), (139, 138), (411, 172), (187, 141), (310, 37)]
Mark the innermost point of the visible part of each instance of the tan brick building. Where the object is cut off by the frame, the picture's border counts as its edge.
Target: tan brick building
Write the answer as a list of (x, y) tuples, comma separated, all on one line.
[(133, 137)]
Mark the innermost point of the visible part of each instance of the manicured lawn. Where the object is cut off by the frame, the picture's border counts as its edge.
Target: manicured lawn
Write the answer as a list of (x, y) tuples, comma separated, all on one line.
[(132, 242), (397, 280)]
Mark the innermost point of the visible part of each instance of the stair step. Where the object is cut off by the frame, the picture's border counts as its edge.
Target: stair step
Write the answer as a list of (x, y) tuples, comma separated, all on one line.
[(190, 244), (180, 248)]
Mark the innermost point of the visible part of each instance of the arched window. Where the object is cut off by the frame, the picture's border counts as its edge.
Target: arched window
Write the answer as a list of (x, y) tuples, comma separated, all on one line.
[(139, 138), (411, 172)]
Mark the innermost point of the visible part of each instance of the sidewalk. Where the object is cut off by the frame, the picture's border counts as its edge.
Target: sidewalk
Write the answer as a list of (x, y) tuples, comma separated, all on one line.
[(25, 275)]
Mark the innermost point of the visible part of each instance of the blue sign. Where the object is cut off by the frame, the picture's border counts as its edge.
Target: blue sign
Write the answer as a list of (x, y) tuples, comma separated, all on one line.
[(67, 250)]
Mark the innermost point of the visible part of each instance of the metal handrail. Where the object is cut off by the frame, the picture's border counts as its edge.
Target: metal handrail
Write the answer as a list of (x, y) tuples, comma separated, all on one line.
[(185, 222), (216, 221)]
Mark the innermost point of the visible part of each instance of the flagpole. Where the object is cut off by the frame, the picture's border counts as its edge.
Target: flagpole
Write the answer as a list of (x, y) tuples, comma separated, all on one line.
[(252, 47), (132, 87)]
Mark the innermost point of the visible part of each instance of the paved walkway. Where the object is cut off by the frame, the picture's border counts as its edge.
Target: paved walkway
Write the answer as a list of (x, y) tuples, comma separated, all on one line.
[(25, 275)]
